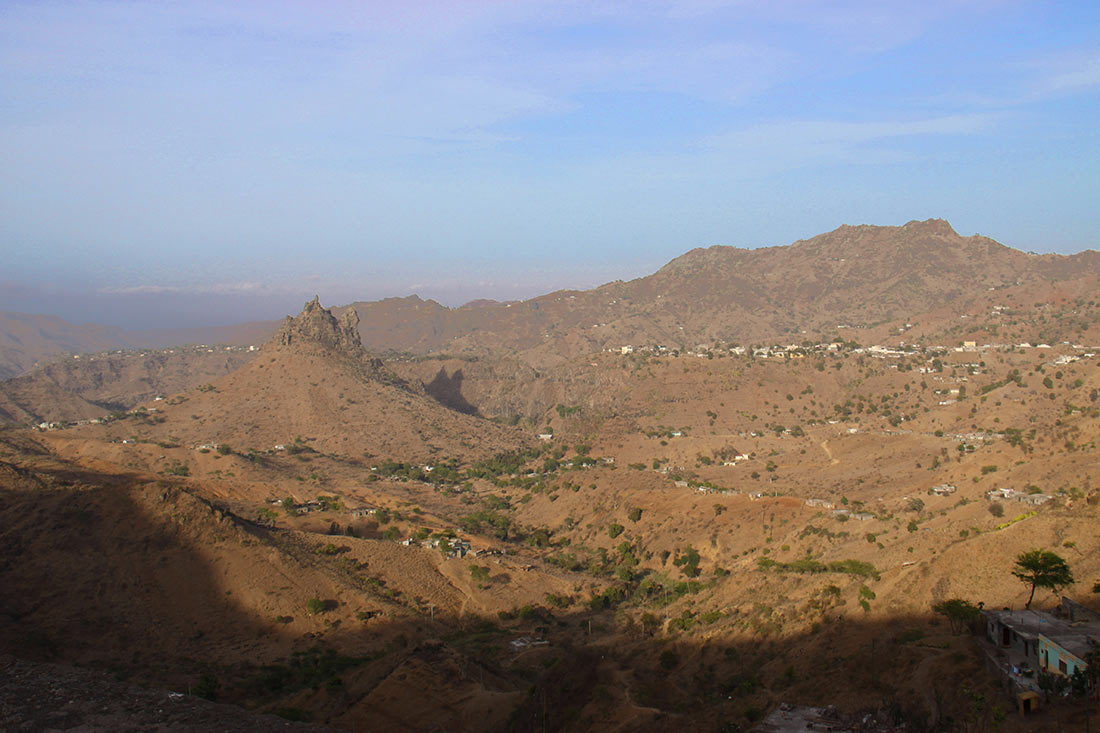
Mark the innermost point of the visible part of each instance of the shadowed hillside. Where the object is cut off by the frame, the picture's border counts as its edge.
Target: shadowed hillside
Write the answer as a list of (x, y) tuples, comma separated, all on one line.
[(407, 639)]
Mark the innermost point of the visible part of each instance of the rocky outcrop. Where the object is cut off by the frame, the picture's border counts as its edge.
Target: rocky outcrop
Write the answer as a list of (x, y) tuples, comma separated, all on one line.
[(316, 327)]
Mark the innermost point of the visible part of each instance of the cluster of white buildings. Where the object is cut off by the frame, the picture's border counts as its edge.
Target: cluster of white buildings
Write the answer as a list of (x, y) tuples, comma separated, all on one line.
[(1005, 494), (879, 351)]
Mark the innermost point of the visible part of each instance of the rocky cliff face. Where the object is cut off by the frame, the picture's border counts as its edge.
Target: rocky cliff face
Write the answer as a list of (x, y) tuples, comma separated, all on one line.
[(316, 327)]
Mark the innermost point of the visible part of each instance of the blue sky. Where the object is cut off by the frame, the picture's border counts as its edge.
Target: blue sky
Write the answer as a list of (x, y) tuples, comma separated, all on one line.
[(176, 163)]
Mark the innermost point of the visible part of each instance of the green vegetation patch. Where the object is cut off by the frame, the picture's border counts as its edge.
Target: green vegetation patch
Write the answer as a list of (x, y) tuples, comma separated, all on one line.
[(858, 568)]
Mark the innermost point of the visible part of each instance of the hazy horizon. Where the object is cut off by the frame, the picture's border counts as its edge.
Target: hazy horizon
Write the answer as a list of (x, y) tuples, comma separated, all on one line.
[(202, 164)]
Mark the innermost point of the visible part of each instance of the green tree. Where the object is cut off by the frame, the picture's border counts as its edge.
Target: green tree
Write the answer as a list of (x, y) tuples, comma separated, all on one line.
[(1042, 569), (958, 612), (315, 606), (1092, 668), (688, 562)]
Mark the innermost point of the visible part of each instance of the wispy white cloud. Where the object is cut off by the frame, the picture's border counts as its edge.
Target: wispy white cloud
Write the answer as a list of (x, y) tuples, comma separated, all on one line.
[(1078, 72), (428, 69)]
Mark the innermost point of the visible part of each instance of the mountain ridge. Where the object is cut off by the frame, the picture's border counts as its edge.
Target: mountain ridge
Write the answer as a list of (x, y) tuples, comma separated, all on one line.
[(855, 272)]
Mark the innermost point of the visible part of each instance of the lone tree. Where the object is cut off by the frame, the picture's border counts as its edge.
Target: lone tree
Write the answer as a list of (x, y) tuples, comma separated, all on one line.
[(1042, 569)]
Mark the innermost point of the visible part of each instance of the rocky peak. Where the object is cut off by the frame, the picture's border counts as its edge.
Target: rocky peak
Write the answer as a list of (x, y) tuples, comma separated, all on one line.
[(932, 227), (316, 326)]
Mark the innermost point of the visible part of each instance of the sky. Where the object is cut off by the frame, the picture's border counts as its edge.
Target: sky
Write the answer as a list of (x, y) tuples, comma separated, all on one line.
[(168, 164)]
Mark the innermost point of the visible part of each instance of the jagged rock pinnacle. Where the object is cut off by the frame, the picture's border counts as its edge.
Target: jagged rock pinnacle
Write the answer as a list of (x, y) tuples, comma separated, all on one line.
[(316, 326)]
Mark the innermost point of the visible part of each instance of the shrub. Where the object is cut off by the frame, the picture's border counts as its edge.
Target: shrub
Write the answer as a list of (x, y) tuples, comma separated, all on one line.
[(559, 601), (688, 562), (669, 659), (650, 621), (178, 469), (479, 573), (614, 530), (997, 509), (207, 687), (635, 514), (315, 606), (294, 714)]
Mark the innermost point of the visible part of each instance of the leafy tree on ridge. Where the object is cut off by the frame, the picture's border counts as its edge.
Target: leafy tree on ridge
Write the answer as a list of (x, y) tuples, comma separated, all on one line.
[(1042, 569)]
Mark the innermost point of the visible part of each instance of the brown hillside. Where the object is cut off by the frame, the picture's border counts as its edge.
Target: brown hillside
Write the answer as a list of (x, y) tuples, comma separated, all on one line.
[(89, 387), (854, 276), (26, 401), (314, 381), (28, 340)]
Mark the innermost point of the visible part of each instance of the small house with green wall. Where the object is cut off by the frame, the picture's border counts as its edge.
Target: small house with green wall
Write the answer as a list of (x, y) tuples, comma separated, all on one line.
[(1065, 654)]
